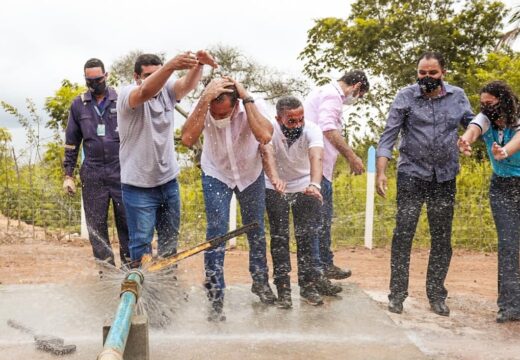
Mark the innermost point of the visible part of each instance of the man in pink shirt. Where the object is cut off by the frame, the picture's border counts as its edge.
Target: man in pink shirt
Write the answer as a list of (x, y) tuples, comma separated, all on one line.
[(324, 106)]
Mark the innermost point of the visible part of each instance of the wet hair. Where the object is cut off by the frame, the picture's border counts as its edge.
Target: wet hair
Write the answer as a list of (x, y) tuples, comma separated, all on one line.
[(356, 76), (287, 103), (94, 63), (146, 60), (507, 100), (233, 96), (433, 55)]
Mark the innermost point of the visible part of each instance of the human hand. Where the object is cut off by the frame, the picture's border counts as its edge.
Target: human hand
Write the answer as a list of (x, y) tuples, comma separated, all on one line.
[(242, 92), (68, 185), (356, 165), (279, 185), (499, 152), (184, 61), (464, 146), (381, 185), (217, 86), (205, 58), (313, 191)]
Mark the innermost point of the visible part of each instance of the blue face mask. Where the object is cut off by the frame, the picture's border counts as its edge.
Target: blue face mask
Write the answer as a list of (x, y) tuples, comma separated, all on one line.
[(291, 134)]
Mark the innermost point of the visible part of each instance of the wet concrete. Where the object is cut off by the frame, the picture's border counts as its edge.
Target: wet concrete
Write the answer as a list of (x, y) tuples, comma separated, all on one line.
[(348, 327)]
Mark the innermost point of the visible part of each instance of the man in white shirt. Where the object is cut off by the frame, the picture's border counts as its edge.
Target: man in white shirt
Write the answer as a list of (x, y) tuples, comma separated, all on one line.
[(293, 166), (234, 125)]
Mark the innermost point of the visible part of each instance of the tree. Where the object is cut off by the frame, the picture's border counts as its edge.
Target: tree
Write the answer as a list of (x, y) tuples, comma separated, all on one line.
[(510, 36), (58, 106)]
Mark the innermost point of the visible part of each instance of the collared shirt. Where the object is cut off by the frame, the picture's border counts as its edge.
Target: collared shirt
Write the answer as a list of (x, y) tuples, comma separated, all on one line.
[(324, 107), (232, 154), (292, 162), (510, 166), (428, 128), (147, 151), (101, 147)]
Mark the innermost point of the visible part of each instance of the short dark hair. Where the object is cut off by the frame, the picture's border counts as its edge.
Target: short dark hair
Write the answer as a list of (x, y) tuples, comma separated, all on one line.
[(287, 103), (433, 55), (356, 76), (146, 60), (508, 101), (233, 96), (94, 63)]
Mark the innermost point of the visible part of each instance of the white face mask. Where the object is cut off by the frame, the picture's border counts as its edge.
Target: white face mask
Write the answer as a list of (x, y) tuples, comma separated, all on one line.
[(221, 123), (350, 100)]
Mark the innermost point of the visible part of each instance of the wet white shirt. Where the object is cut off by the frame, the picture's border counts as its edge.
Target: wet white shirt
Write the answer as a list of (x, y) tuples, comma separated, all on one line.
[(232, 154), (292, 162)]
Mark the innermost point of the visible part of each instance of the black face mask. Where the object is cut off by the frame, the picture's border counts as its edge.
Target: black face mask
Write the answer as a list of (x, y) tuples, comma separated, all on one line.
[(492, 112), (96, 86), (428, 84), (292, 134)]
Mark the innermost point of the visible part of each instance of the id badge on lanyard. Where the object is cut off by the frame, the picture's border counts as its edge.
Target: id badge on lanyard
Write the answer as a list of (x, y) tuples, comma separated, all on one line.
[(100, 130)]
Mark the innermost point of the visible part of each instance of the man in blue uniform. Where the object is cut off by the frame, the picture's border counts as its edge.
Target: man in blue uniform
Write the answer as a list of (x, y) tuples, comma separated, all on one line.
[(93, 122)]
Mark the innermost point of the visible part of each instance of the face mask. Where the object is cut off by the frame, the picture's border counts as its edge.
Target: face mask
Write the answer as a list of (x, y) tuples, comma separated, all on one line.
[(222, 123), (429, 84), (291, 134), (492, 112), (350, 100), (97, 87)]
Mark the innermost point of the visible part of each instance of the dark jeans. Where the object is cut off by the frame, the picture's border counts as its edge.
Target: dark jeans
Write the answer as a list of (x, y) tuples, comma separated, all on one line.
[(504, 197), (96, 200), (412, 192), (306, 217), (325, 253), (217, 199), (149, 208)]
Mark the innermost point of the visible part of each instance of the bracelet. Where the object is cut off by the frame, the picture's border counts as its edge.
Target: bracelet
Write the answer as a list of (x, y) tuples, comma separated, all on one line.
[(316, 185), (248, 99), (200, 64)]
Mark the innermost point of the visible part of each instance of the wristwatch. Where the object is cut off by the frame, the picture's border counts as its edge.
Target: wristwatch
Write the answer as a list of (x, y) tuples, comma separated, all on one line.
[(248, 99), (316, 185)]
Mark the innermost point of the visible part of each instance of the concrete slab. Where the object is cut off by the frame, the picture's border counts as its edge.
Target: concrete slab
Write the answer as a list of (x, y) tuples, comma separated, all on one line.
[(348, 327)]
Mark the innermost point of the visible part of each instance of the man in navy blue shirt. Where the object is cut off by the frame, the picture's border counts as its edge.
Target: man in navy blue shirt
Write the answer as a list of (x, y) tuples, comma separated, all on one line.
[(92, 123), (427, 116)]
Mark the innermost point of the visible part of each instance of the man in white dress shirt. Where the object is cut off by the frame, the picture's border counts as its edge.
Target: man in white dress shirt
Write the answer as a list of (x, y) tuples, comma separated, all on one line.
[(234, 125)]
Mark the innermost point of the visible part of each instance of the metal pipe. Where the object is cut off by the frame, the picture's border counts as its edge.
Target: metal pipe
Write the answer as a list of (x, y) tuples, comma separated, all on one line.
[(116, 339)]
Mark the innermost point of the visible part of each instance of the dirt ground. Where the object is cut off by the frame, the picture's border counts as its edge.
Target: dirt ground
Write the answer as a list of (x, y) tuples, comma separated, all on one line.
[(469, 333)]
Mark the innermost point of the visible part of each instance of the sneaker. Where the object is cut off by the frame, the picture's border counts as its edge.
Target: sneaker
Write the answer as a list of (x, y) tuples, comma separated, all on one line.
[(216, 311), (506, 316), (325, 287), (284, 297), (440, 308), (395, 306), (264, 292), (336, 273), (311, 295)]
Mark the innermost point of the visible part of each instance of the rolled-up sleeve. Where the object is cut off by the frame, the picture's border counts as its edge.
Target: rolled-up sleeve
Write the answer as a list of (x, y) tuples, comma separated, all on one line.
[(394, 122), (73, 138)]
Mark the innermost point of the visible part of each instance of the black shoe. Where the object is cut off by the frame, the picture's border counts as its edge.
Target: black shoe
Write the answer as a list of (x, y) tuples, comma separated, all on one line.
[(216, 311), (284, 297), (311, 295), (395, 306), (325, 287), (440, 308), (336, 273), (264, 292), (506, 316)]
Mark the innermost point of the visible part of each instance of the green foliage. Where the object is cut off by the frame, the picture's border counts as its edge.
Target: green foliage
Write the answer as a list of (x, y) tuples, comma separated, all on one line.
[(58, 106)]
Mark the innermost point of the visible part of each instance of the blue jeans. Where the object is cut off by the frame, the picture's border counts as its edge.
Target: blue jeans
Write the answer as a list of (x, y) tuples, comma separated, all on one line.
[(326, 254), (504, 197), (217, 198), (147, 208)]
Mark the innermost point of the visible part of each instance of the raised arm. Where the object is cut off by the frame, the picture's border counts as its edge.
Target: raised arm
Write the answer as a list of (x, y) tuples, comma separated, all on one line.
[(189, 81)]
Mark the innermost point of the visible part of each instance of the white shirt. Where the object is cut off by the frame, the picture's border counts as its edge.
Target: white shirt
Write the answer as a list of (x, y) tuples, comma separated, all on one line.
[(324, 106), (292, 162), (232, 154)]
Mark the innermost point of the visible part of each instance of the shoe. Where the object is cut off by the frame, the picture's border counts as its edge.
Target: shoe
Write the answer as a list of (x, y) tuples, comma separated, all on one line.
[(395, 306), (336, 273), (216, 311), (506, 316), (284, 297), (440, 308), (311, 295), (264, 292), (325, 287)]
